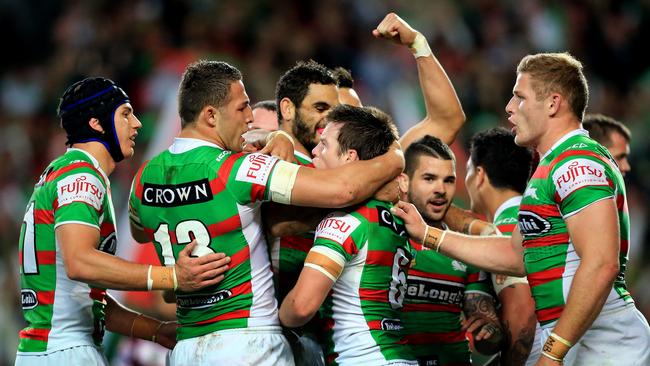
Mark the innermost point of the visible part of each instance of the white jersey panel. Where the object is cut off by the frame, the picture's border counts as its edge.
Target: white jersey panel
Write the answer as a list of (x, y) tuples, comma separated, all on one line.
[(72, 318), (351, 335), (264, 308)]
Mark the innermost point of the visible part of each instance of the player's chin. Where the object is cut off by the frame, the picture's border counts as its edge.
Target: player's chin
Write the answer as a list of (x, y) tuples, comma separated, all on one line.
[(434, 216), (128, 152), (318, 163)]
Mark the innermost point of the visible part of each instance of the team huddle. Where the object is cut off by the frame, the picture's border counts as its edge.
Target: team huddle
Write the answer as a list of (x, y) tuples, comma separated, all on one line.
[(329, 239)]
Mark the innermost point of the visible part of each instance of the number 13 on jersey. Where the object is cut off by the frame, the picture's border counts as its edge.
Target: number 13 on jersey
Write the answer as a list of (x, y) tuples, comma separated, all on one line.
[(185, 232)]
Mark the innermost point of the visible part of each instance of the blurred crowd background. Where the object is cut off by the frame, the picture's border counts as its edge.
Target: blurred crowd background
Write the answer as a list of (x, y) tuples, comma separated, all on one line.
[(144, 45)]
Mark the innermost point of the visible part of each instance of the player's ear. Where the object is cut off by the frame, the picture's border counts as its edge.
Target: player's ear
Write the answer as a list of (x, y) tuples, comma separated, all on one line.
[(403, 182), (481, 176), (351, 155), (554, 101), (210, 114), (95, 125), (287, 109)]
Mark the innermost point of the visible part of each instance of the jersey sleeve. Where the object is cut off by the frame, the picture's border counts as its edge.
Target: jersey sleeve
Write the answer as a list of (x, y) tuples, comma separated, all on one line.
[(249, 176), (579, 181), (336, 242), (80, 198), (135, 199), (478, 281)]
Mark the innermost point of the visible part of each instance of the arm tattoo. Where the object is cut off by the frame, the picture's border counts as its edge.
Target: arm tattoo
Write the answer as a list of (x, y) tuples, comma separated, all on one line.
[(481, 304), (518, 346)]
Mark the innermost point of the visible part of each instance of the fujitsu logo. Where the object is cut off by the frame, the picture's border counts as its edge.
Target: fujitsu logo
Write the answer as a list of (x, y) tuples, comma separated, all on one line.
[(336, 224), (575, 170), (80, 184), (257, 162)]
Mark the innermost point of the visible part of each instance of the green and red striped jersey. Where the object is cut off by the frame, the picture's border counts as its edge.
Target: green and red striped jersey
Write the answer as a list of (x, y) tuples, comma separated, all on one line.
[(60, 312), (505, 217), (363, 311), (288, 253), (573, 174), (197, 190), (433, 305)]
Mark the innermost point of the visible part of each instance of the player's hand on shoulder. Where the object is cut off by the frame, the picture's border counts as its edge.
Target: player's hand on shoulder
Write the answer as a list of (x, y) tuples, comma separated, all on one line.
[(255, 140), (280, 145), (394, 28), (198, 267), (415, 225)]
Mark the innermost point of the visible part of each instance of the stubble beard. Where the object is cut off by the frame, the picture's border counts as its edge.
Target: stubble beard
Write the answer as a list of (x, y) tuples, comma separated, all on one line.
[(421, 207), (303, 133)]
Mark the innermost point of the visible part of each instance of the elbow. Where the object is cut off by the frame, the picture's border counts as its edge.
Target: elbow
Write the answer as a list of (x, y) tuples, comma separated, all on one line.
[(139, 235), (457, 121), (519, 269), (275, 231), (610, 270), (299, 314), (284, 229), (303, 314), (461, 118), (77, 271), (519, 272)]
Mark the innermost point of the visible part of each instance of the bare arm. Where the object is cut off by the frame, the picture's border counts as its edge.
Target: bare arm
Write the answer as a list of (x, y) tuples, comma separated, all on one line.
[(127, 322), (348, 184), (595, 235), (445, 114), (282, 220), (497, 254), (519, 321), (304, 300), (84, 262), (465, 222)]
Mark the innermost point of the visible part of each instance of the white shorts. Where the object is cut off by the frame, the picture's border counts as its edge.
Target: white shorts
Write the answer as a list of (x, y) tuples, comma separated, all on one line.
[(74, 356), (243, 346), (617, 337)]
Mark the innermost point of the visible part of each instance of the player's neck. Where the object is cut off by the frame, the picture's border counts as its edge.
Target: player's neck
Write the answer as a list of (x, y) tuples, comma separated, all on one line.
[(389, 192), (196, 133), (286, 127), (555, 131), (98, 151), (495, 199)]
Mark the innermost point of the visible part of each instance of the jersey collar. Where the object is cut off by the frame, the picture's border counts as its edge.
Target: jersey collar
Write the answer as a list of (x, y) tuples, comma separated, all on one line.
[(185, 144), (579, 131), (92, 160), (303, 156), (512, 201)]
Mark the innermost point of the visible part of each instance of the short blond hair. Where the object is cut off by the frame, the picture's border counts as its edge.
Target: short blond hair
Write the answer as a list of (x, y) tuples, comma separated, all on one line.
[(557, 73)]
